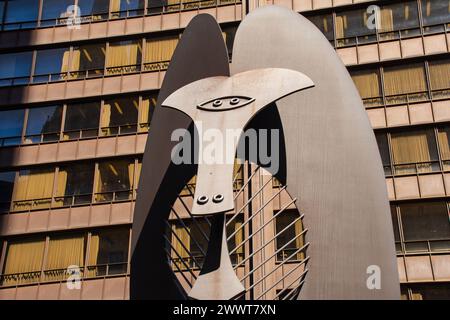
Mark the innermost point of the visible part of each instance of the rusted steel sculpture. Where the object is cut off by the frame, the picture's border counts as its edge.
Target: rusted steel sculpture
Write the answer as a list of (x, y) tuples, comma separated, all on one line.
[(330, 159)]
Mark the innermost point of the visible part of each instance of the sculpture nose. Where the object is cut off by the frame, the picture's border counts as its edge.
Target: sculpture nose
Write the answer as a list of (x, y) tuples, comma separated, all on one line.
[(214, 189)]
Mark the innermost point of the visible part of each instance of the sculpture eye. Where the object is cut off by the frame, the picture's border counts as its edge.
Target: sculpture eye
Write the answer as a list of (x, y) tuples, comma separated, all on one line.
[(225, 103)]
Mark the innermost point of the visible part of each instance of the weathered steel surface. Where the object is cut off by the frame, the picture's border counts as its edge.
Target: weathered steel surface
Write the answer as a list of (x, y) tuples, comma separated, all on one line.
[(217, 280), (161, 181), (332, 163), (262, 87), (214, 183)]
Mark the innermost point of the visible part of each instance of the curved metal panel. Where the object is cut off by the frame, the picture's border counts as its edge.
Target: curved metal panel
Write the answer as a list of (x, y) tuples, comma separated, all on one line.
[(263, 86), (332, 162), (200, 53)]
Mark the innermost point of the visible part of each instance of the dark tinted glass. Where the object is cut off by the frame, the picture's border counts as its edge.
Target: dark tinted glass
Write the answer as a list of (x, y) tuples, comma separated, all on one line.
[(44, 121), (53, 9), (21, 10), (50, 61), (435, 11), (425, 221), (11, 124), (82, 116), (14, 65)]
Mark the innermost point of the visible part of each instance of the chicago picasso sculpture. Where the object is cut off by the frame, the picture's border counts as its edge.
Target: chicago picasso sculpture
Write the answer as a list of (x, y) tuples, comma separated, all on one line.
[(330, 161)]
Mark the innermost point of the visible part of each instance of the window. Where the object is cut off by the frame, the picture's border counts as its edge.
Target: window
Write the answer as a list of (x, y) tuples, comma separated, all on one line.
[(396, 228), (11, 124), (74, 184), (236, 229), (158, 52), (406, 80), (108, 253), (435, 12), (414, 151), (353, 24), (383, 147), (115, 180), (119, 116), (138, 172), (26, 258), (197, 243), (440, 78), (50, 64), (181, 243), (147, 110), (15, 65), (43, 124), (82, 120), (426, 221), (368, 84), (435, 291), (126, 8), (64, 251), (33, 189), (21, 14), (98, 8), (53, 10), (399, 16), (23, 261), (229, 33), (286, 230), (325, 24), (444, 146), (2, 9), (156, 6), (7, 187), (124, 56), (87, 61)]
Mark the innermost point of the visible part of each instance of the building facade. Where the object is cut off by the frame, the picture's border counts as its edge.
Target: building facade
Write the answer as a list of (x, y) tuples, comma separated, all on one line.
[(76, 102)]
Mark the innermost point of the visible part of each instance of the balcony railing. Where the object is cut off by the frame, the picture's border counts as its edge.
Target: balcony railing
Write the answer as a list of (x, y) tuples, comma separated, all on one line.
[(70, 135), (114, 15), (292, 255), (20, 278), (119, 129), (194, 262), (60, 275), (430, 246), (416, 167), (66, 201), (406, 98), (78, 134), (85, 74), (399, 34), (113, 196)]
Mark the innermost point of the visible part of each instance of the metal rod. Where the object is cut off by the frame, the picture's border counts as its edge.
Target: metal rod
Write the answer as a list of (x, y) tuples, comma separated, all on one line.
[(259, 210), (189, 231), (295, 280), (246, 183), (253, 196), (179, 270), (179, 257), (278, 266), (278, 281), (264, 225), (184, 247), (273, 255), (273, 238), (293, 290)]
